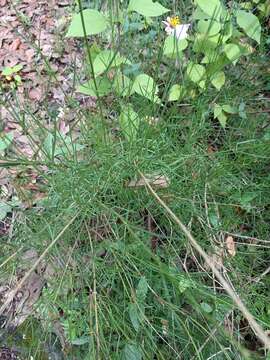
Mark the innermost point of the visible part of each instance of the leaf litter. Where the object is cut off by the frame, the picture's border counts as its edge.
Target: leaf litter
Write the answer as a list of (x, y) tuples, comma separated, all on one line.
[(31, 36)]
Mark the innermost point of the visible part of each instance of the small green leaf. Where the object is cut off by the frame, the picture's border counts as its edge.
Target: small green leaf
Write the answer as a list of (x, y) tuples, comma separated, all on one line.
[(218, 80), (80, 341), (184, 284), (175, 92), (129, 121), (250, 24), (88, 88), (7, 71), (209, 27), (206, 307), (131, 352), (220, 115), (233, 52), (5, 141), (144, 85), (172, 47), (196, 74), (94, 22), (142, 289), (147, 8), (4, 210), (213, 8), (108, 59), (18, 79), (134, 316), (214, 220), (222, 118)]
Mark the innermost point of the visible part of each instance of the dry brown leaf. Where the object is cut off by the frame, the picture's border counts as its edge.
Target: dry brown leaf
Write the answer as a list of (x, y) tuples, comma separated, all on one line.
[(230, 245), (15, 44), (35, 94), (24, 300), (217, 259), (29, 54), (156, 180), (3, 2)]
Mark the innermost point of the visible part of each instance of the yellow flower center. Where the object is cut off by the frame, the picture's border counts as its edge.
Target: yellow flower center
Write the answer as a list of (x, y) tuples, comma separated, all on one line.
[(174, 21)]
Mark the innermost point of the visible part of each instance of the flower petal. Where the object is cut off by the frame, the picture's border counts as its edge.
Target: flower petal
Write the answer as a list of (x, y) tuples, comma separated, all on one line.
[(181, 31), (166, 23)]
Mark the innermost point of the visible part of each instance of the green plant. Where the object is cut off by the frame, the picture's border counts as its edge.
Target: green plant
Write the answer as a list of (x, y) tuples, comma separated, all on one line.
[(123, 282)]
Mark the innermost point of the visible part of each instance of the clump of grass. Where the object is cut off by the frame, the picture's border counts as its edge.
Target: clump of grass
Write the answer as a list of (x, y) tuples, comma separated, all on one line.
[(126, 283)]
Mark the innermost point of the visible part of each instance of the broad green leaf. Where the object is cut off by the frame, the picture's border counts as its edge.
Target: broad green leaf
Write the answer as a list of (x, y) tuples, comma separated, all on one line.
[(233, 52), (94, 22), (209, 27), (172, 47), (144, 85), (205, 44), (229, 109), (217, 110), (142, 289), (134, 316), (210, 57), (131, 352), (103, 84), (228, 31), (175, 92), (147, 8), (122, 85), (250, 24), (5, 141), (129, 122), (220, 115), (4, 210), (218, 80), (108, 59), (198, 14), (196, 74), (213, 8), (94, 51)]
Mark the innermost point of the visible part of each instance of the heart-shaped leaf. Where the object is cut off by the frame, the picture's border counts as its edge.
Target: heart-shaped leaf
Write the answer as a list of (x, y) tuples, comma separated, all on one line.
[(213, 8), (88, 88), (129, 121), (147, 8), (196, 74), (175, 92), (209, 27), (94, 22), (250, 24), (108, 59), (218, 80), (144, 85), (173, 47), (233, 52), (122, 85)]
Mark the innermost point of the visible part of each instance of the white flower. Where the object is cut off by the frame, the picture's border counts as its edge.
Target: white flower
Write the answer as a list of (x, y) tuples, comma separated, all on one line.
[(173, 27)]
